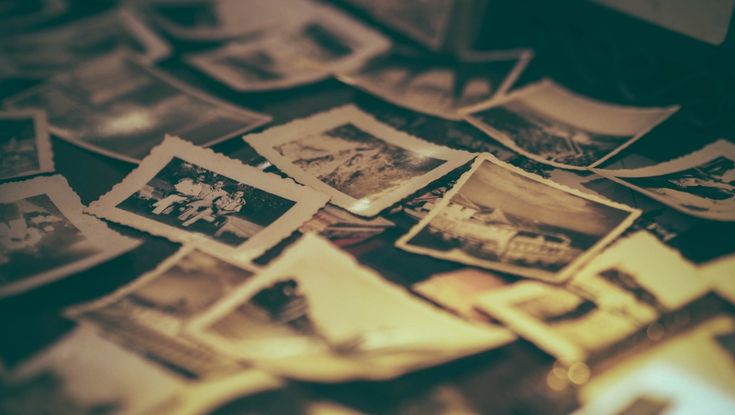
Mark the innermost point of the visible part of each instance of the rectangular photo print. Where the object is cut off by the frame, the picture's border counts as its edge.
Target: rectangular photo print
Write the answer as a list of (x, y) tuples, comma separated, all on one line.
[(700, 184), (365, 165), (311, 315), (61, 48), (502, 218), (25, 146), (149, 315), (191, 194), (552, 125), (432, 86), (44, 235), (120, 107), (324, 42)]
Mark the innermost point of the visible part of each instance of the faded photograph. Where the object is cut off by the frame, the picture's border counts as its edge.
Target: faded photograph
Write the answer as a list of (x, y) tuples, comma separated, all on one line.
[(439, 88), (343, 228), (149, 316), (501, 219), (25, 148), (356, 162), (555, 126), (61, 48), (197, 200), (324, 43), (119, 107)]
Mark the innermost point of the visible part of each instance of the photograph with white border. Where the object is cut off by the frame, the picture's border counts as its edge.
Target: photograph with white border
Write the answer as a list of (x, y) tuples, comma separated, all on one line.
[(700, 184), (502, 218), (25, 146), (45, 236), (325, 42), (60, 49), (120, 107), (149, 315), (191, 194), (550, 124), (312, 315), (438, 88), (365, 165)]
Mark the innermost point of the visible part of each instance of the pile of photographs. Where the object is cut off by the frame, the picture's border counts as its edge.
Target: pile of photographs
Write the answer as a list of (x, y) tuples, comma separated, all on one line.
[(274, 278)]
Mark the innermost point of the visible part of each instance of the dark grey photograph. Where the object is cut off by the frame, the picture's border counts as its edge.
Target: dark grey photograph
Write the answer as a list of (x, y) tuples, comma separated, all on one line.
[(508, 220), (119, 107), (194, 199), (25, 148)]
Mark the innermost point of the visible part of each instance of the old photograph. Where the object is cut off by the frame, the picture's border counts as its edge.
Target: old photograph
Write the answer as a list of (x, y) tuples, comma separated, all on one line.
[(500, 217), (25, 146), (120, 107), (188, 193), (45, 236), (566, 325), (149, 315), (440, 88), (311, 315), (61, 48), (324, 43), (700, 184), (365, 165), (344, 229), (552, 125)]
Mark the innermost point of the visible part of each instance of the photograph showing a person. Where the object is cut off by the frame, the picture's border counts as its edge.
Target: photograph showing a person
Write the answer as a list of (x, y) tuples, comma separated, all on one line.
[(548, 123)]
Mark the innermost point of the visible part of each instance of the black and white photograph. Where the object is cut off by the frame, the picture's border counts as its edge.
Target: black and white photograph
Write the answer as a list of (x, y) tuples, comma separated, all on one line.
[(311, 315), (188, 193), (569, 326), (120, 107), (61, 48), (149, 315), (85, 374), (365, 165), (326, 42), (442, 88), (550, 124), (219, 20), (700, 184), (502, 218), (344, 229), (25, 146), (45, 236)]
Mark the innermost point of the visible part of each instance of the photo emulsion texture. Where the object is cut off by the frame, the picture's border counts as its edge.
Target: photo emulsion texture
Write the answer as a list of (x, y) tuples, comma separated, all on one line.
[(192, 198)]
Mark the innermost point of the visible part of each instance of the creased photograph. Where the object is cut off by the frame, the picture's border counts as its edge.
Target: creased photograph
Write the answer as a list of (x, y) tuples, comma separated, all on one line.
[(44, 235), (365, 165), (311, 315), (120, 107), (325, 42), (192, 194), (61, 48), (700, 184), (25, 146), (438, 87), (553, 125), (149, 315), (502, 218)]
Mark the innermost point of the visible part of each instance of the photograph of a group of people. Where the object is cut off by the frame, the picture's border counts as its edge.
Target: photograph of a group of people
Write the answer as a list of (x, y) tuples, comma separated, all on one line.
[(195, 199)]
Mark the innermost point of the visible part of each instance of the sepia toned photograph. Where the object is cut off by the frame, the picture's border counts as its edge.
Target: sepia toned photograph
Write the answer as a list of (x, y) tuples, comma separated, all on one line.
[(187, 193), (303, 318), (326, 42), (502, 218), (439, 88), (25, 146), (119, 107), (45, 236), (59, 49), (552, 125), (365, 165), (700, 184), (149, 315), (344, 229), (566, 325)]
